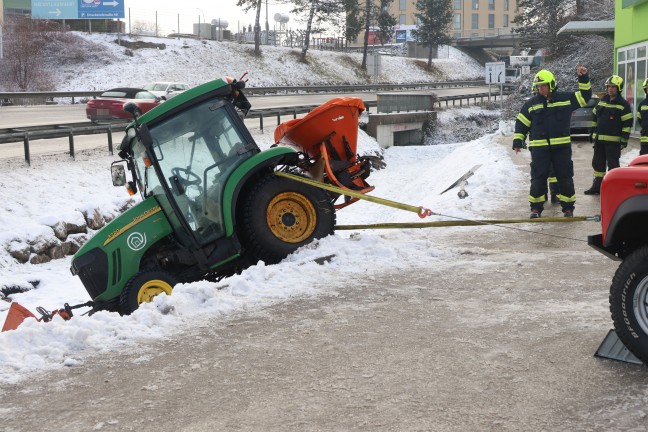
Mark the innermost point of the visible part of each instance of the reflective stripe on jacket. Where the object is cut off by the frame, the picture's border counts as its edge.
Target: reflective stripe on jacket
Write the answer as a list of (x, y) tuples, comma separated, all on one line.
[(547, 122), (642, 117), (612, 120)]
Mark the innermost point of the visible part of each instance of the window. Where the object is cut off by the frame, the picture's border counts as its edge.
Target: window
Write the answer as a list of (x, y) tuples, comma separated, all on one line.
[(475, 4), (491, 21), (401, 19), (457, 4), (621, 55), (641, 52), (491, 4), (402, 5), (475, 21), (457, 22), (506, 5), (505, 21), (631, 54)]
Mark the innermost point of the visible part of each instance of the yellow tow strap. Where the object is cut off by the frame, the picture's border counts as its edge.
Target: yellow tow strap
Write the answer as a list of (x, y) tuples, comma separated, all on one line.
[(401, 225), (420, 211)]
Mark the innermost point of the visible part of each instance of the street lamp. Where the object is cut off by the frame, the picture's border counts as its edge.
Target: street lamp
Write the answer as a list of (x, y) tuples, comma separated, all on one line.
[(203, 15)]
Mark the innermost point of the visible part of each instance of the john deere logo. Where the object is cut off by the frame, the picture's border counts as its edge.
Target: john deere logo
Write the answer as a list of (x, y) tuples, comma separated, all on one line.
[(136, 241)]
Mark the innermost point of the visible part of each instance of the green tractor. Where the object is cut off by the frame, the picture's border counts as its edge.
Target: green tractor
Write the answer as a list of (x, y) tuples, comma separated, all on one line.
[(211, 202)]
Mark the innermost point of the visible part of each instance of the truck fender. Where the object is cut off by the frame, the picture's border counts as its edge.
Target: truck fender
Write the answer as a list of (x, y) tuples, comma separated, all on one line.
[(621, 228)]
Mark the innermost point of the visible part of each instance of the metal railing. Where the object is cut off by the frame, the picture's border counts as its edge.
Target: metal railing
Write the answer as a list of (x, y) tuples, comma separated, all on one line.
[(70, 130), (18, 98)]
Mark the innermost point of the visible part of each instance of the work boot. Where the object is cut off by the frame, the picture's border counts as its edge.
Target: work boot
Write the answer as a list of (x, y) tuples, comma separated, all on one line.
[(568, 213), (535, 214), (596, 187)]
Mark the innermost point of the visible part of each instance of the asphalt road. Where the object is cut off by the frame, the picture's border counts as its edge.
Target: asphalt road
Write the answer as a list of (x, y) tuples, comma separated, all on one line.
[(16, 116), (504, 346)]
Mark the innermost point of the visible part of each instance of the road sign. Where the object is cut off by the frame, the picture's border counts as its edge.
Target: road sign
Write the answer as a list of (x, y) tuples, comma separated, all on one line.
[(101, 9), (54, 9), (494, 73), (78, 9)]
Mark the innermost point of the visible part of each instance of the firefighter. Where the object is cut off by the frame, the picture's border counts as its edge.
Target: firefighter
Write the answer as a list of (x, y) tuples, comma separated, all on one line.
[(546, 119), (642, 116), (611, 124)]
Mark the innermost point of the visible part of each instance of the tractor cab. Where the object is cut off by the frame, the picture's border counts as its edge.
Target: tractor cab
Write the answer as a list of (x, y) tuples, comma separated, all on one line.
[(185, 160)]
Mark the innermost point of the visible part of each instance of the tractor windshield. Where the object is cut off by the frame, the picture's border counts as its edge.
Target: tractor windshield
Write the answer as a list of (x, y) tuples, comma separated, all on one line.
[(196, 150)]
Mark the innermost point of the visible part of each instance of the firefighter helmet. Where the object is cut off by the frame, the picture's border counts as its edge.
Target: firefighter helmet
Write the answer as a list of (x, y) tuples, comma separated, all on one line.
[(645, 85), (544, 77), (615, 80)]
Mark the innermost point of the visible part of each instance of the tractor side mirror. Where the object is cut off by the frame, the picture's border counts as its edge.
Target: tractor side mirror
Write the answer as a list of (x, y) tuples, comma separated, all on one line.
[(118, 173)]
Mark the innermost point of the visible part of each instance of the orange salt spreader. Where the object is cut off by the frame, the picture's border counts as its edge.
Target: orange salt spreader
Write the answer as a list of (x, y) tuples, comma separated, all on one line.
[(329, 136)]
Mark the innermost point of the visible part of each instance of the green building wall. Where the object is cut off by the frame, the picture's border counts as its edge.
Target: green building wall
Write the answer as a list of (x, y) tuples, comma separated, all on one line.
[(631, 48)]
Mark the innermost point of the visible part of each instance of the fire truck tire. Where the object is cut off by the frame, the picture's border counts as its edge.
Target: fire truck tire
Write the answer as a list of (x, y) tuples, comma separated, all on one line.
[(142, 287), (280, 215), (629, 302)]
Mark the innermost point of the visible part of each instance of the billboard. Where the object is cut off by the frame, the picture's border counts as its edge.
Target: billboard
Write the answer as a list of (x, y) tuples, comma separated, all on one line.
[(77, 9)]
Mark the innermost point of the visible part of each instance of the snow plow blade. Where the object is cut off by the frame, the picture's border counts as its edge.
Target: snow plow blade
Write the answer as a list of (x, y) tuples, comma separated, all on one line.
[(17, 314)]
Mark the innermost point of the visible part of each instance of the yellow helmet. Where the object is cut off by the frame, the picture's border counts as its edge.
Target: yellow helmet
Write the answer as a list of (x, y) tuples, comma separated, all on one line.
[(615, 80), (645, 85), (544, 77)]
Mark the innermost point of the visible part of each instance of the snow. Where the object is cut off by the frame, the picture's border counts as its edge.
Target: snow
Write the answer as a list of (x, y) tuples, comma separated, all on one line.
[(55, 189), (195, 61)]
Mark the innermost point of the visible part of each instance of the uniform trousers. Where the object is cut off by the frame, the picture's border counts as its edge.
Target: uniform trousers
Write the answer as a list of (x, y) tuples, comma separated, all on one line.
[(542, 158)]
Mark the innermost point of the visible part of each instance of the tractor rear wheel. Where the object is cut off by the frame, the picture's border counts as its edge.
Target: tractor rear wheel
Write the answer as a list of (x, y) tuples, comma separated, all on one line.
[(142, 287), (280, 215), (629, 302)]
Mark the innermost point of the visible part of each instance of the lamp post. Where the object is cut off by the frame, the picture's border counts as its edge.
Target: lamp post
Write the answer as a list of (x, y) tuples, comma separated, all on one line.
[(203, 15)]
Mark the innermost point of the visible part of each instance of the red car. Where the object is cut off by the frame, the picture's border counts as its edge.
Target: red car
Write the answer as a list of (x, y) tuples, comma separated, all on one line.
[(110, 105)]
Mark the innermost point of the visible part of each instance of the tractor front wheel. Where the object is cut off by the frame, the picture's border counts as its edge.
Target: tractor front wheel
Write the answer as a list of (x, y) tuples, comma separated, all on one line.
[(280, 215), (629, 302), (142, 287)]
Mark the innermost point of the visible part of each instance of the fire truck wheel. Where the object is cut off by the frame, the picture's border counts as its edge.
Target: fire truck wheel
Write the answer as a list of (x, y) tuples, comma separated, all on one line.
[(142, 287), (629, 302), (279, 215)]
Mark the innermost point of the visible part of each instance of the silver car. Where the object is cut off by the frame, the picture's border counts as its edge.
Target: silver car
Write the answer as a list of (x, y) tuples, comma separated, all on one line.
[(581, 120), (166, 89)]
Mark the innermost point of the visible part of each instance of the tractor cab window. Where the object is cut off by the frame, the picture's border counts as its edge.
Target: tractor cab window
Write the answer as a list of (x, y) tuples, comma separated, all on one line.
[(197, 150)]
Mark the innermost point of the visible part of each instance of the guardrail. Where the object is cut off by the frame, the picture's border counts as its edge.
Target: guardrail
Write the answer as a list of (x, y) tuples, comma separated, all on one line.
[(70, 130), (12, 98)]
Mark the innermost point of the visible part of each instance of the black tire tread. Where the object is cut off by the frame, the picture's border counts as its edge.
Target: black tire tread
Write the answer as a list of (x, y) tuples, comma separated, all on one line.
[(635, 262), (256, 248)]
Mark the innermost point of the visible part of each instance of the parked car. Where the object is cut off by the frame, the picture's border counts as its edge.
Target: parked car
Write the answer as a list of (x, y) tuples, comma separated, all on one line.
[(581, 120), (166, 89), (110, 105)]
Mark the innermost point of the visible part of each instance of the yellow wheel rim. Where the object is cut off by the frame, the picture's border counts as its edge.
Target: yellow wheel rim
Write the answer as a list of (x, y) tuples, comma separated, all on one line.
[(291, 217), (152, 288)]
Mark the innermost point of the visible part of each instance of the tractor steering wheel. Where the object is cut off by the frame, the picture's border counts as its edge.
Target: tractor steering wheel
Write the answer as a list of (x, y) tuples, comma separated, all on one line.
[(189, 178)]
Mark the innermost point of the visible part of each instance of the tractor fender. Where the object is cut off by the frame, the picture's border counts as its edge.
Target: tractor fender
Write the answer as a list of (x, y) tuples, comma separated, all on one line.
[(113, 255), (628, 222), (248, 171)]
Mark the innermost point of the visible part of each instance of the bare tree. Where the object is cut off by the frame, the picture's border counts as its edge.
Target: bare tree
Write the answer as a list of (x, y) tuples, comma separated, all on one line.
[(24, 54), (317, 12), (247, 5)]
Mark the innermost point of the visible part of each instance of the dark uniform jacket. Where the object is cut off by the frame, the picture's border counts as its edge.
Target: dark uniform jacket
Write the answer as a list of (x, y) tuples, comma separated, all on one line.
[(642, 116), (548, 122), (612, 120)]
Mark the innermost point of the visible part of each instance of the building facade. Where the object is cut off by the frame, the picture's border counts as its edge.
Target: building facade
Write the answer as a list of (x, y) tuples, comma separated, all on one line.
[(472, 18), (631, 48)]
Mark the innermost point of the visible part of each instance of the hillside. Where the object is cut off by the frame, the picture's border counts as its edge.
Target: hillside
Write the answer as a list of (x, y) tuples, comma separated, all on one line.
[(96, 62)]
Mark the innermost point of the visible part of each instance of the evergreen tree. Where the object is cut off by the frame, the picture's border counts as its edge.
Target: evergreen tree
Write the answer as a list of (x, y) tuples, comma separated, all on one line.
[(434, 17)]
